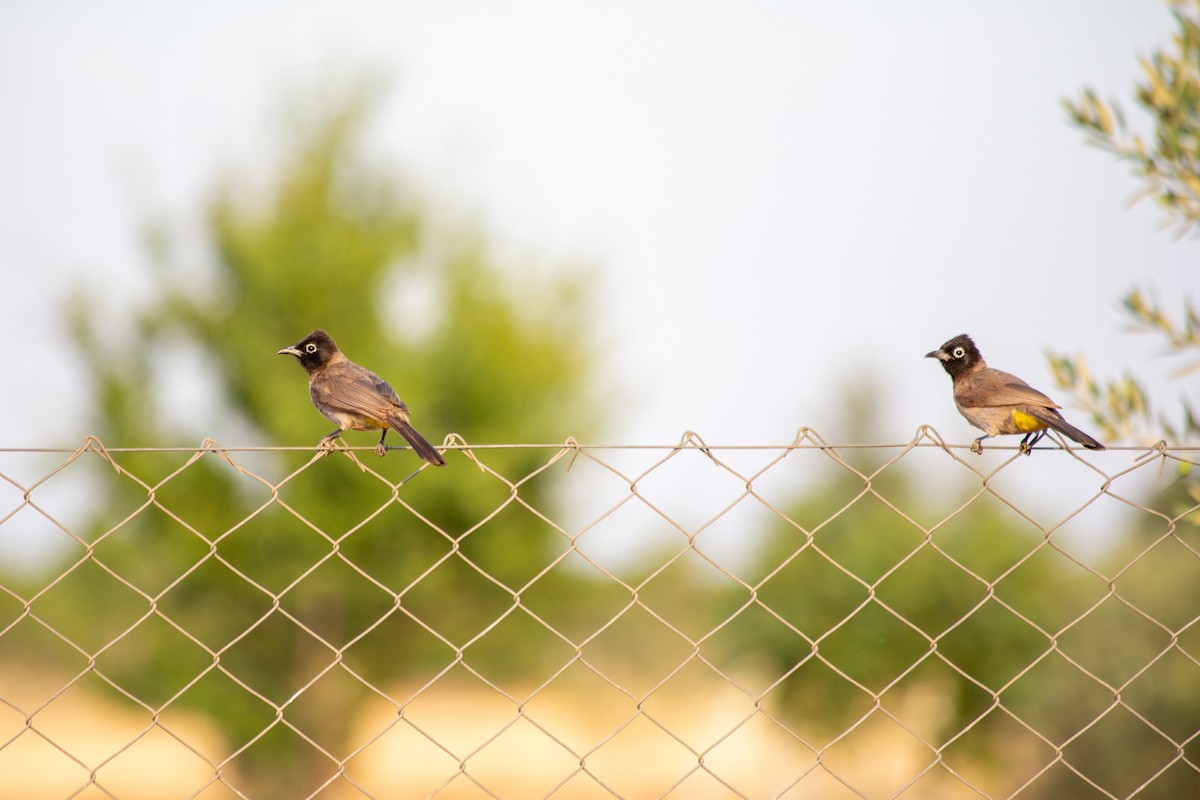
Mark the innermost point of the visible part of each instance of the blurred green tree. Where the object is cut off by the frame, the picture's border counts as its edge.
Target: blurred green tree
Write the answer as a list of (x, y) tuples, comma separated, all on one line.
[(263, 608), (1168, 165), (1139, 648), (873, 606), (1151, 669), (863, 601), (899, 591)]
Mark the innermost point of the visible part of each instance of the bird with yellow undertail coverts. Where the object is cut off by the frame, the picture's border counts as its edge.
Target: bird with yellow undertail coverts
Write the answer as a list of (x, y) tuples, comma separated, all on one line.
[(999, 403)]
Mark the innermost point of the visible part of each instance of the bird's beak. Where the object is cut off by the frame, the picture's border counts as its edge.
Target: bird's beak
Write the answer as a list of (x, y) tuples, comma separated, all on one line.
[(938, 354), (289, 351)]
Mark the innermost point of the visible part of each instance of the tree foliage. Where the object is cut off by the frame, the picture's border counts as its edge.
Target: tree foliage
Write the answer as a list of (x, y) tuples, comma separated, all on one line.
[(891, 592), (1168, 163), (868, 602), (249, 598)]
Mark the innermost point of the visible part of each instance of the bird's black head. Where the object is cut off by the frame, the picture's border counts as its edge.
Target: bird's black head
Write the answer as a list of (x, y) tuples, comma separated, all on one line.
[(313, 351), (957, 355)]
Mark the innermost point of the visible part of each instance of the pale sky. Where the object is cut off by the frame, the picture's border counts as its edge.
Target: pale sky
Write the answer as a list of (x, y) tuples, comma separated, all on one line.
[(780, 196)]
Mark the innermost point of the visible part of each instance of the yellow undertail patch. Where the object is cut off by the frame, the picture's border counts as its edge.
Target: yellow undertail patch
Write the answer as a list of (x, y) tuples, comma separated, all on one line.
[(1027, 422)]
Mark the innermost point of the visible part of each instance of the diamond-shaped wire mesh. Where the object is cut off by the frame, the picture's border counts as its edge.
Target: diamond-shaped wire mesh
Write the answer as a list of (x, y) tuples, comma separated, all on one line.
[(568, 621)]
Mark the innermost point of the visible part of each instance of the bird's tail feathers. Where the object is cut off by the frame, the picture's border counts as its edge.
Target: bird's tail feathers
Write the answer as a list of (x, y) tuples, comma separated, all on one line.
[(422, 448), (1055, 421)]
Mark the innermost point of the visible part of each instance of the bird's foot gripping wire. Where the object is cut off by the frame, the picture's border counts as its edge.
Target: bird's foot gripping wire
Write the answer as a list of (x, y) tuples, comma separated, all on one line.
[(1027, 443), (328, 441), (977, 446)]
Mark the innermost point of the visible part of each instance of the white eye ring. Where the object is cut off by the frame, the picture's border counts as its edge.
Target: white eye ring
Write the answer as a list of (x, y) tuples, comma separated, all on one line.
[(310, 348), (959, 352)]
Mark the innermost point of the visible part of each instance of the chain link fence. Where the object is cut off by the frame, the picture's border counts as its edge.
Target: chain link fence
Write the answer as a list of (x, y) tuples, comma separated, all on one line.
[(809, 620)]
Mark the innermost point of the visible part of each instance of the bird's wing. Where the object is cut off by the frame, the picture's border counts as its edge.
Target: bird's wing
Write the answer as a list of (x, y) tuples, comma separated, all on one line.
[(386, 391), (991, 387), (351, 387)]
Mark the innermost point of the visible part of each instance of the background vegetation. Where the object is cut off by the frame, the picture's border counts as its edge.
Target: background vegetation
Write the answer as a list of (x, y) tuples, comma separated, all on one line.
[(1165, 159), (330, 239), (841, 605)]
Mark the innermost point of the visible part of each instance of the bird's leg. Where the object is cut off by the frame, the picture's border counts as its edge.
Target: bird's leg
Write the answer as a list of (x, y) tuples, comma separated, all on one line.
[(1028, 443), (327, 440), (381, 448), (977, 445)]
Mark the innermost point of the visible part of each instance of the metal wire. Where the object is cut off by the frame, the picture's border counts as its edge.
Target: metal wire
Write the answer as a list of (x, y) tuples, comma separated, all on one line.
[(638, 693)]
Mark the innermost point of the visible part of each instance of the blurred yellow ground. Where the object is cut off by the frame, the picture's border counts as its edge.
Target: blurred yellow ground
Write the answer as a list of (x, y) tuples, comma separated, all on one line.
[(514, 753)]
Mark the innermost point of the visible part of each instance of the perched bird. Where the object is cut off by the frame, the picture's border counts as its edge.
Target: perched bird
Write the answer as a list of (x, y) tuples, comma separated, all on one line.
[(998, 403), (354, 397)]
